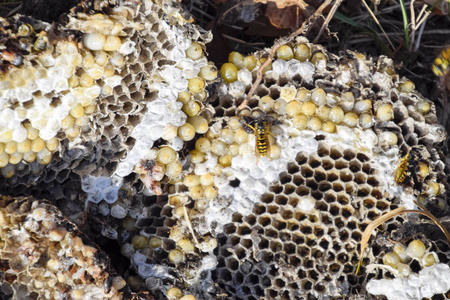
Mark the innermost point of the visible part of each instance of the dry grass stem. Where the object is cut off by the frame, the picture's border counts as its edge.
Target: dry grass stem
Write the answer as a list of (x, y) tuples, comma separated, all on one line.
[(378, 23), (374, 224), (377, 222), (328, 19), (189, 224)]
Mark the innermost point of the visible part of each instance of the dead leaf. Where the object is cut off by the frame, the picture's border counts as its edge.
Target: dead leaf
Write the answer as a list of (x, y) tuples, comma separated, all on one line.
[(290, 17), (285, 3)]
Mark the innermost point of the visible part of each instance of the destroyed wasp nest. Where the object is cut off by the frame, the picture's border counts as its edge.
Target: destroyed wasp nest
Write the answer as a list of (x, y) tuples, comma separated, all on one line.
[(266, 201), (48, 257)]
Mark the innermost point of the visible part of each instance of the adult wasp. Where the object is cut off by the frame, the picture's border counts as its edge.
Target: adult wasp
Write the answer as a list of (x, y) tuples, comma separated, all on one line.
[(408, 167), (260, 128)]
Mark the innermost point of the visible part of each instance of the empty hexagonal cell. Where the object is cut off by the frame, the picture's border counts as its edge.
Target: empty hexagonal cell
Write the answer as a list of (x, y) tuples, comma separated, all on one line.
[(323, 150), (319, 230), (243, 230), (267, 256), (376, 193), (234, 239), (302, 191), (232, 264), (264, 220), (294, 260), (292, 168), (367, 168), (356, 235), (335, 268), (272, 209), (373, 181), (332, 175), (289, 189), (327, 163), (271, 232), (382, 204), (312, 184), (285, 178), (343, 258), (301, 158), (303, 250), (286, 213), (364, 190), (306, 285), (293, 225), (344, 234), (279, 224), (322, 205), (373, 214), (341, 164), (314, 161), (307, 171), (267, 198), (346, 175), (318, 195), (355, 165), (240, 252), (325, 186), (250, 219), (360, 177), (298, 180), (338, 186), (320, 174), (281, 199), (351, 187), (347, 211), (336, 153), (340, 222)]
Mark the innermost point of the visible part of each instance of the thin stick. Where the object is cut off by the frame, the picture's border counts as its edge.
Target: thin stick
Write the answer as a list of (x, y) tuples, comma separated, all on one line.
[(378, 23), (189, 224), (328, 19), (419, 37), (277, 45), (242, 41)]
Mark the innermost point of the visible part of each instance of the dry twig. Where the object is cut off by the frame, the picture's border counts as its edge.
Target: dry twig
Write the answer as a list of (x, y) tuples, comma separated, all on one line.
[(328, 19), (278, 44)]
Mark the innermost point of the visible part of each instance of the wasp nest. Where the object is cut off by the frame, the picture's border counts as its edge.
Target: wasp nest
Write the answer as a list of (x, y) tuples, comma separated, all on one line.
[(89, 91), (265, 197), (44, 255)]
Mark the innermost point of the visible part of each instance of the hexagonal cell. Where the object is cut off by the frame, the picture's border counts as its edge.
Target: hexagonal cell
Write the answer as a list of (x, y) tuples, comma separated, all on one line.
[(314, 161), (341, 164), (285, 177), (301, 159), (264, 220), (327, 163), (292, 168), (289, 189), (332, 175), (336, 153), (307, 171), (320, 174), (349, 154)]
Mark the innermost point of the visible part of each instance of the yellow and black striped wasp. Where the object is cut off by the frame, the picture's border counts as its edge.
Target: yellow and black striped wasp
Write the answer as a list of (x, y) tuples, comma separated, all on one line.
[(407, 167), (441, 63), (260, 128)]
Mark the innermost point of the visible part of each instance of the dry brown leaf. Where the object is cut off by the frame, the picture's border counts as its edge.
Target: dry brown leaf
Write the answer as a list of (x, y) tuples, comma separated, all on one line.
[(284, 3), (285, 18)]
